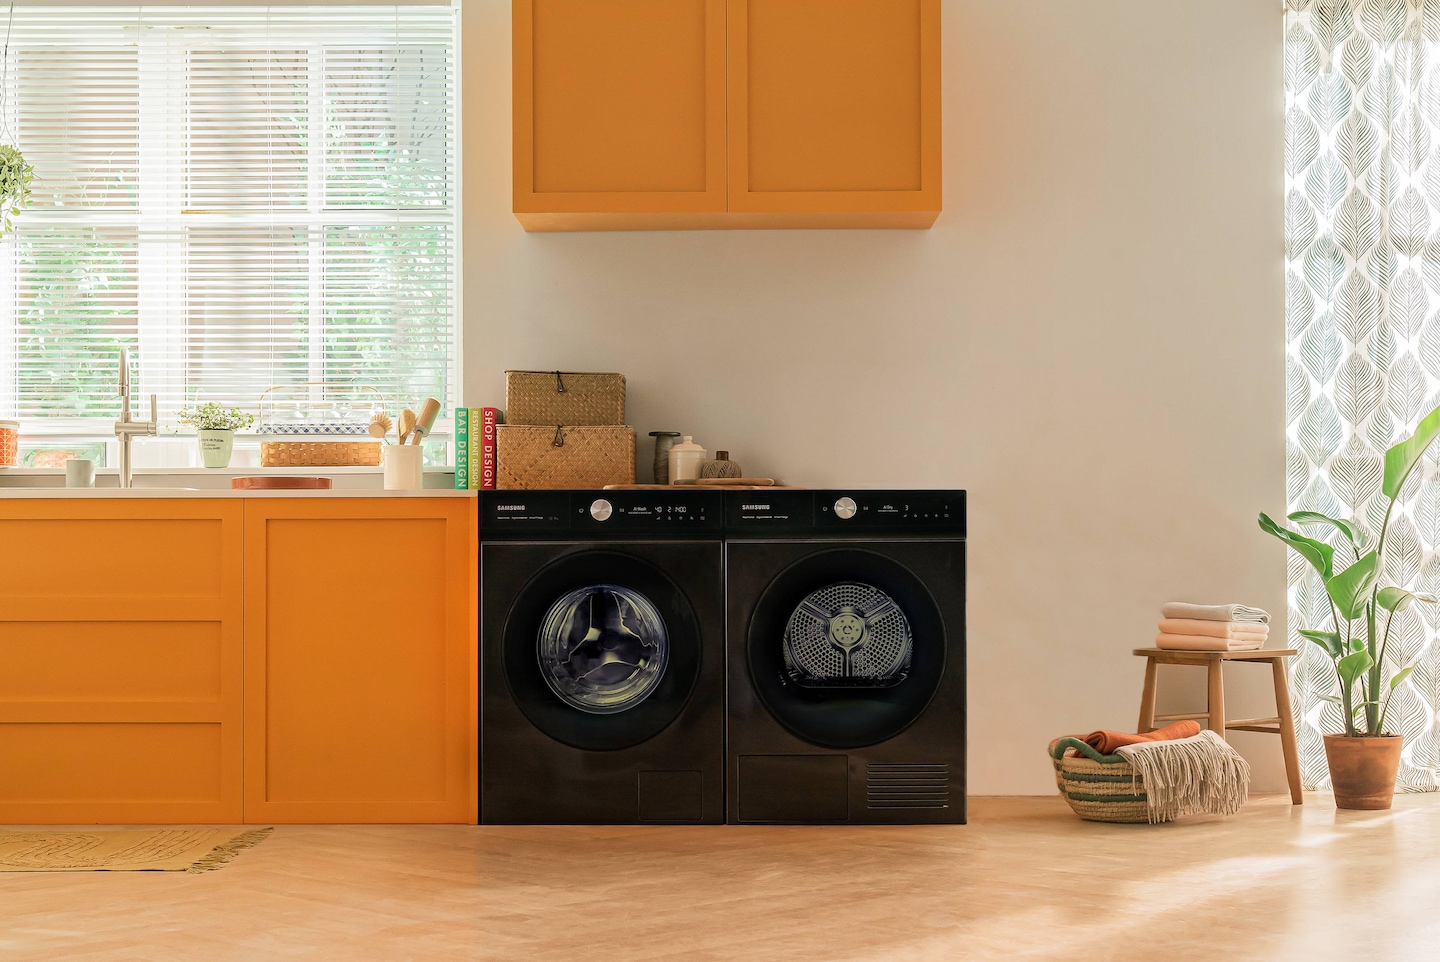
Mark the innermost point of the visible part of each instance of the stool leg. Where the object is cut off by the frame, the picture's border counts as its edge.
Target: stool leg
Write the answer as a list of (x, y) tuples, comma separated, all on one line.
[(1147, 698), (1216, 704), (1287, 730)]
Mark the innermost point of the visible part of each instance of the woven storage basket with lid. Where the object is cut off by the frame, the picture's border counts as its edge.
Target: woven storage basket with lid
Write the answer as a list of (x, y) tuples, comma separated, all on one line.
[(585, 456), (1100, 788), (564, 397)]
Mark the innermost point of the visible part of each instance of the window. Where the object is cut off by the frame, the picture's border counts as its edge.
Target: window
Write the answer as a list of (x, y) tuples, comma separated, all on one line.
[(245, 196)]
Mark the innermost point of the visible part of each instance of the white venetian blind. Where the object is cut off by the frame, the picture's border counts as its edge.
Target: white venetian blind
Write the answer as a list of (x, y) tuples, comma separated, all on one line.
[(246, 196)]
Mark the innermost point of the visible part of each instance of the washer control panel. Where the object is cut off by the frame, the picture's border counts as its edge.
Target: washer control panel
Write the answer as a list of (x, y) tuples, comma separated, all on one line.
[(845, 508), (557, 515)]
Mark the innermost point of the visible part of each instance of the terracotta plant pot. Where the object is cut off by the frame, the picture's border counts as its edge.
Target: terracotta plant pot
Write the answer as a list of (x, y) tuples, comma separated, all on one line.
[(1362, 770)]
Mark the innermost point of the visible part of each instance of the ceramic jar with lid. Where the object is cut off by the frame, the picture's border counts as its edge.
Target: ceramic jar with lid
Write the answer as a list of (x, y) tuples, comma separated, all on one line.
[(685, 459)]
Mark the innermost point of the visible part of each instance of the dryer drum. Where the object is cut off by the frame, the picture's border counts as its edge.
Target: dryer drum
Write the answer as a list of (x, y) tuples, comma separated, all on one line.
[(603, 648), (848, 635)]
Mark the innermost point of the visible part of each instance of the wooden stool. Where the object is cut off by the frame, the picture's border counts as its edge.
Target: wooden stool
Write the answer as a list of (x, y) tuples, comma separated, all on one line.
[(1213, 662)]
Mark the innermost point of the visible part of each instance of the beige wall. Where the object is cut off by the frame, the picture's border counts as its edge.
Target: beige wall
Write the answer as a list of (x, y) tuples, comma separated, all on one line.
[(1089, 340)]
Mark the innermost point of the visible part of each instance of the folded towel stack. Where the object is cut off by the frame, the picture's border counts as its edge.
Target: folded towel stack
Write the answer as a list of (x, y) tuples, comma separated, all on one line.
[(1186, 627)]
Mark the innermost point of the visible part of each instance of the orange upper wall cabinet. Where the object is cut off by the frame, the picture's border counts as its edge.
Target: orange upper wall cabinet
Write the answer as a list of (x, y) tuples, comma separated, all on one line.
[(834, 109), (666, 114), (619, 109)]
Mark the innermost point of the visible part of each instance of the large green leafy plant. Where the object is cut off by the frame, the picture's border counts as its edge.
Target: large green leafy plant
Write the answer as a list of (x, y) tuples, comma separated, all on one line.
[(1356, 644)]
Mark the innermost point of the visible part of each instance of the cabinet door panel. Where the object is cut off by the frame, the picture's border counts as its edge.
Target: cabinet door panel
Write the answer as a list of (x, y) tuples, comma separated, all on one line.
[(359, 661), (834, 105), (619, 106)]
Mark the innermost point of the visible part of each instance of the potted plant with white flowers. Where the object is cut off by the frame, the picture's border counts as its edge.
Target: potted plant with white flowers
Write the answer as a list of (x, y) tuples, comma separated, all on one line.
[(216, 426)]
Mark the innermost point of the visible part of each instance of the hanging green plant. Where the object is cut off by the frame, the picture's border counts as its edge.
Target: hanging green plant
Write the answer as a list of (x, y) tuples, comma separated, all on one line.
[(15, 177)]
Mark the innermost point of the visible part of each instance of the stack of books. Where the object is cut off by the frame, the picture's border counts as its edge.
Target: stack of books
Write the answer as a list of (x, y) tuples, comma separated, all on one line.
[(475, 458)]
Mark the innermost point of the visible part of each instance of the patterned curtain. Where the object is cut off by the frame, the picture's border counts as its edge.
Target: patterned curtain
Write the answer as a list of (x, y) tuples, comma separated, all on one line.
[(1362, 254)]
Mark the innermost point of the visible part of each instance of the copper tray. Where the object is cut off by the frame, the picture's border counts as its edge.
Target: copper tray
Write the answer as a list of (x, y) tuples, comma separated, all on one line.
[(281, 484)]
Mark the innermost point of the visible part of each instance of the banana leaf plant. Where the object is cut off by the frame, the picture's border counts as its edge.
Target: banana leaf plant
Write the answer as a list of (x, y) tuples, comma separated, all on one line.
[(1355, 643)]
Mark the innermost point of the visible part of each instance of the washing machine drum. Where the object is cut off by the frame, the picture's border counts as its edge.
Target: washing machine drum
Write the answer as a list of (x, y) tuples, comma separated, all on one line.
[(601, 650), (846, 647)]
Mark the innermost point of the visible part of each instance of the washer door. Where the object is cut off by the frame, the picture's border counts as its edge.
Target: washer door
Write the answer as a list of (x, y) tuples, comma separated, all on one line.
[(601, 650), (846, 648)]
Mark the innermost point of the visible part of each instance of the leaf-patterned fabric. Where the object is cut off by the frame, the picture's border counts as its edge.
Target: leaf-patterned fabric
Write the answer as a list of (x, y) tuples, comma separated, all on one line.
[(1362, 253)]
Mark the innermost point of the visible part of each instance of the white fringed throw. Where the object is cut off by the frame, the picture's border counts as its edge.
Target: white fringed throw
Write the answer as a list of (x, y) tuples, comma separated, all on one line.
[(1198, 775)]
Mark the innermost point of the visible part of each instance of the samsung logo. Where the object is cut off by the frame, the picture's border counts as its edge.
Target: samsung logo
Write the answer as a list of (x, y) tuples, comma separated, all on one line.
[(509, 507), (754, 507)]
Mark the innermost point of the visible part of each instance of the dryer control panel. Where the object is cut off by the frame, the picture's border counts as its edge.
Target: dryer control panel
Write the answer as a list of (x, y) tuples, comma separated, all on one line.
[(550, 515), (845, 512)]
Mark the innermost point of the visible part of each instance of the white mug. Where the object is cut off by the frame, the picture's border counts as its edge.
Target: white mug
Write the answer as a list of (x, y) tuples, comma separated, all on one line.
[(79, 473)]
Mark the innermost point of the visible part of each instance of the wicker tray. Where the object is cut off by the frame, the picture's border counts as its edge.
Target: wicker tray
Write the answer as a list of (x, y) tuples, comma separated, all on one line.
[(1099, 788), (287, 454), (564, 397), (585, 456)]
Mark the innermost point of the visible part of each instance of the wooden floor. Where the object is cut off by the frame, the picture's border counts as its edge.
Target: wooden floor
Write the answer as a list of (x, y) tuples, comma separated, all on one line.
[(1025, 880)]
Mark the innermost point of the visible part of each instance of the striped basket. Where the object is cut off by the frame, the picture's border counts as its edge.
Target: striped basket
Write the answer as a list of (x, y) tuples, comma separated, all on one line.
[(1100, 788)]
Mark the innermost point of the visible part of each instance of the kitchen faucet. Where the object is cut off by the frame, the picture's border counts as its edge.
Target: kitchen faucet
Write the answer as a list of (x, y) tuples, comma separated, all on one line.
[(125, 428)]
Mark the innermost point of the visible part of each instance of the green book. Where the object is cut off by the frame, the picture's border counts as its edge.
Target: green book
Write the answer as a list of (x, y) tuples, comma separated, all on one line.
[(462, 449)]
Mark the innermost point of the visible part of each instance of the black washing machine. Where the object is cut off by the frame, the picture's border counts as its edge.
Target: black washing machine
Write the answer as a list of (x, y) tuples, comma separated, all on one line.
[(846, 656), (602, 657)]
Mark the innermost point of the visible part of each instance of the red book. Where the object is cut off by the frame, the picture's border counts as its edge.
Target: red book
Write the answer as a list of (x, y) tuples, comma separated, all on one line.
[(489, 417)]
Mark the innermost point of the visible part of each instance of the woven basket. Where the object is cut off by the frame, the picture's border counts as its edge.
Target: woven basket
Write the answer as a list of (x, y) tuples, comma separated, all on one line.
[(288, 454), (1100, 788), (585, 456), (564, 397)]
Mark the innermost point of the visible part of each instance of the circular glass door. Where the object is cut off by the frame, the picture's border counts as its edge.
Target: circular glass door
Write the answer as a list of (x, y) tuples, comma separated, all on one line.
[(846, 647), (603, 648)]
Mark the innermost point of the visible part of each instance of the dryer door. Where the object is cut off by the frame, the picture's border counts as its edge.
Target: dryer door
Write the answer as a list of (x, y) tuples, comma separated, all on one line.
[(846, 648), (601, 650)]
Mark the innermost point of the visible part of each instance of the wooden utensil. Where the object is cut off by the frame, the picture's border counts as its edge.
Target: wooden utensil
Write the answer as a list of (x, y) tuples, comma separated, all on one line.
[(429, 411), (405, 427), (379, 426)]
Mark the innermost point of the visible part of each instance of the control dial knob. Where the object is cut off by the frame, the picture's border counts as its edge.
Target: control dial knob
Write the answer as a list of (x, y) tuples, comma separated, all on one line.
[(601, 510), (845, 509)]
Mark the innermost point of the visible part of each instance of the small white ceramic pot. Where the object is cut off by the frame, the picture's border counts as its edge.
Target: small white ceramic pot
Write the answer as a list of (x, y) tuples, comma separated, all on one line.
[(216, 448)]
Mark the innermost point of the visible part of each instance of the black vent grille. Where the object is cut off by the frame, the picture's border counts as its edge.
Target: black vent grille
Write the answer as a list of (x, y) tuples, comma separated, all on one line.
[(907, 786)]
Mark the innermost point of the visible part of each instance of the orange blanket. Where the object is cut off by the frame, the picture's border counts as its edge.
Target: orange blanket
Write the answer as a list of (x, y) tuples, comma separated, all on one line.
[(1105, 742)]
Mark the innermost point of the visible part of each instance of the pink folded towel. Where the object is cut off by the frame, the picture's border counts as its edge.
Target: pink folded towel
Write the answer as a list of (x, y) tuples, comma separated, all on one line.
[(1205, 643), (1214, 629)]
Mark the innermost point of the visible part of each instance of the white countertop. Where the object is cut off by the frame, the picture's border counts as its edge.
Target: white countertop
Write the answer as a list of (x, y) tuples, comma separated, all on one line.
[(350, 482)]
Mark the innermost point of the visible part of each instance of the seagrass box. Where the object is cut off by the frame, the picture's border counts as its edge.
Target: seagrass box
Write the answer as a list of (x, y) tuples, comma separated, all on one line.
[(564, 397), (563, 456)]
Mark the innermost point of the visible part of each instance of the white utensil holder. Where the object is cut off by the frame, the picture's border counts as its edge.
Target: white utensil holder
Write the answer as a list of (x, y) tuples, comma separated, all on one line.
[(403, 463)]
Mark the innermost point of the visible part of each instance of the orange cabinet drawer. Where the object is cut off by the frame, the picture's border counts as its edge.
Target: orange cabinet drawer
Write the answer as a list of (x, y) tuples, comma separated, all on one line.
[(120, 661)]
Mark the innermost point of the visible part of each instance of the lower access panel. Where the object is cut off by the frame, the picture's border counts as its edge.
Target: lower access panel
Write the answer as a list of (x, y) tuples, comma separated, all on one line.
[(794, 788)]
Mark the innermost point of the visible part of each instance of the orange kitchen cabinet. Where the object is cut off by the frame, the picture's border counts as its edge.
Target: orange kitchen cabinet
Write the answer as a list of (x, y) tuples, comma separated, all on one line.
[(671, 114), (360, 660), (619, 112), (834, 111), (120, 660)]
